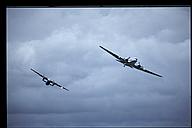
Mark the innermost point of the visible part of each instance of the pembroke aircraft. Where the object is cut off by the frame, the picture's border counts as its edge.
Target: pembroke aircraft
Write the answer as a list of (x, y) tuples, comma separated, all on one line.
[(130, 63), (48, 81)]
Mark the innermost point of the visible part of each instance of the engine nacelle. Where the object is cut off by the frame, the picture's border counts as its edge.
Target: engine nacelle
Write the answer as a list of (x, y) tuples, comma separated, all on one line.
[(47, 83)]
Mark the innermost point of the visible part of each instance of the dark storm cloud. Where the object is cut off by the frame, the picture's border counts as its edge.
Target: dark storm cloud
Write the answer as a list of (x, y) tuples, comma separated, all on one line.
[(63, 44)]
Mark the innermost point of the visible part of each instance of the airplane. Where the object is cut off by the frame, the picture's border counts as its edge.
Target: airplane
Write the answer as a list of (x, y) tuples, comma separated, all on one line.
[(48, 81), (130, 63)]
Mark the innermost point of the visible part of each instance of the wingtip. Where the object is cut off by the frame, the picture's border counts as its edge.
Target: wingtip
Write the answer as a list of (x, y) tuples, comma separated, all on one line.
[(101, 47), (160, 76), (64, 88)]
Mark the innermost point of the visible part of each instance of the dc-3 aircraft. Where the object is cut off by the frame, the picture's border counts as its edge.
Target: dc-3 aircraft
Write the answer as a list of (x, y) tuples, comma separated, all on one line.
[(48, 81), (130, 63)]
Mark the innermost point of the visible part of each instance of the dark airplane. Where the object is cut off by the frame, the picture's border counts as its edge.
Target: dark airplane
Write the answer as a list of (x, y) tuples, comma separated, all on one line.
[(48, 81), (130, 63)]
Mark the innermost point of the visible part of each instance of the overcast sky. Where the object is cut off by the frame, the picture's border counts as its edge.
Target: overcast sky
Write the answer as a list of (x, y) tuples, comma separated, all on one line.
[(63, 44)]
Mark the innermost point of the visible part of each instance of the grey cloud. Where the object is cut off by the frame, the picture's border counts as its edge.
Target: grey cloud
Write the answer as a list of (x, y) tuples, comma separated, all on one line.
[(38, 23), (102, 91)]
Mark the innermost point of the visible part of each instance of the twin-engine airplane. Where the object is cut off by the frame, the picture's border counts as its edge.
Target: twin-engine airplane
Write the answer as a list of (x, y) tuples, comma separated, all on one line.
[(130, 63), (48, 81)]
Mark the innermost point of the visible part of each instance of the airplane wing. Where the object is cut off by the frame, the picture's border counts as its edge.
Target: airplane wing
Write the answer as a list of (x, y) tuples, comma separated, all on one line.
[(147, 71), (116, 56), (38, 73), (60, 86)]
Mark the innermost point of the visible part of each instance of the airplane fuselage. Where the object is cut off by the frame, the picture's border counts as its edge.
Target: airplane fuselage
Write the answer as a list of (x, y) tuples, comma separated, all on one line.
[(126, 63), (47, 81)]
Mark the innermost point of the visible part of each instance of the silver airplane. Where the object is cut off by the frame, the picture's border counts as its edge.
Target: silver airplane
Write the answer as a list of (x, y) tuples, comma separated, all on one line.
[(48, 81), (130, 63)]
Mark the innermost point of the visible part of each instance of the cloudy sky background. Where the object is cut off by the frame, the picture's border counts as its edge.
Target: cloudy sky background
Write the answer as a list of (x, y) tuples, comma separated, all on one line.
[(63, 44)]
